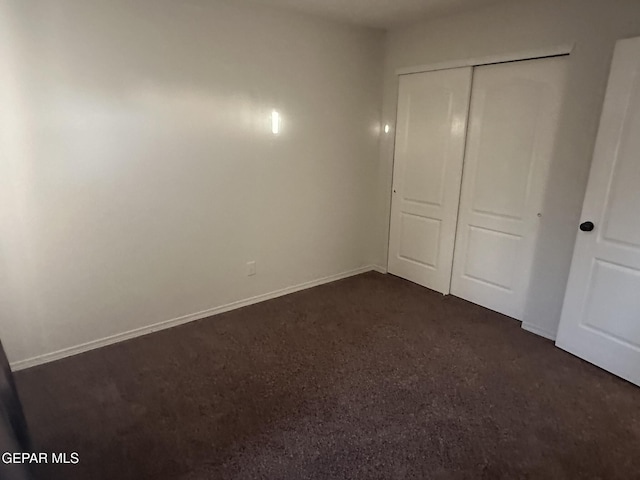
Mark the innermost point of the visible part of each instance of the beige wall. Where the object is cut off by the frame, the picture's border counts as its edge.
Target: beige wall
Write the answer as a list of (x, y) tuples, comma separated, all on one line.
[(516, 26), (138, 171)]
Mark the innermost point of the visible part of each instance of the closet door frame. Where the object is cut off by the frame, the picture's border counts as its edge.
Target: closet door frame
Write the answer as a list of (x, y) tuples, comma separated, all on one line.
[(555, 51), (552, 51)]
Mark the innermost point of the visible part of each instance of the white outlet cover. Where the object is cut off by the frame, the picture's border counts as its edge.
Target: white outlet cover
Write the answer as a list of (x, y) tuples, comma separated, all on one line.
[(251, 268)]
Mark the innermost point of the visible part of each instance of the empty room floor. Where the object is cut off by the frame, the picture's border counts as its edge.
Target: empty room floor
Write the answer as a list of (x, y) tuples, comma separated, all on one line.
[(368, 377)]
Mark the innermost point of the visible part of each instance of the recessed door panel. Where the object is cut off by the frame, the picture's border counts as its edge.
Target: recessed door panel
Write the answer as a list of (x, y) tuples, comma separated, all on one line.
[(501, 187), (491, 257), (419, 239), (428, 111), (513, 123), (622, 221), (430, 136), (614, 288)]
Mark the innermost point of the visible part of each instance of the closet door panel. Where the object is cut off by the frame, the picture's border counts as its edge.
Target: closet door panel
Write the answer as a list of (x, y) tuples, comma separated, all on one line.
[(512, 129), (430, 136)]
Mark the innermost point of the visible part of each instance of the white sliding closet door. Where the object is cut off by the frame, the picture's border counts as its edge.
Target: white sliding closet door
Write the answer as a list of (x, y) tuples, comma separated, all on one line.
[(512, 128), (430, 136)]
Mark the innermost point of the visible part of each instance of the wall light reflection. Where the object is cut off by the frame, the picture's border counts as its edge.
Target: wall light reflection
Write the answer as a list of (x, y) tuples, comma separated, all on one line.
[(275, 122)]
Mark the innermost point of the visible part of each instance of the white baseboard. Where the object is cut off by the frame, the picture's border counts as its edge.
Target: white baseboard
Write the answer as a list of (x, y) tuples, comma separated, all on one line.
[(538, 331), (379, 269), (138, 332)]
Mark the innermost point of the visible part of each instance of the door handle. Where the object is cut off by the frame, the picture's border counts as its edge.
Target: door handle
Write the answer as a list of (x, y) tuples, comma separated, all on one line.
[(587, 226)]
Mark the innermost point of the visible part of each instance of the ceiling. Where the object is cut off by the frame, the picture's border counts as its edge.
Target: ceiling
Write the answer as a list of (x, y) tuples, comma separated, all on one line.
[(378, 13)]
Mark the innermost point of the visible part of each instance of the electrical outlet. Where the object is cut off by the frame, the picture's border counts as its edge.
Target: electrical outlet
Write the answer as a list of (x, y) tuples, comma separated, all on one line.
[(251, 268)]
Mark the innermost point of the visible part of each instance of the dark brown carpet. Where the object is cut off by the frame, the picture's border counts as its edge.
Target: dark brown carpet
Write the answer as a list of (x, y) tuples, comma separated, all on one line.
[(370, 377)]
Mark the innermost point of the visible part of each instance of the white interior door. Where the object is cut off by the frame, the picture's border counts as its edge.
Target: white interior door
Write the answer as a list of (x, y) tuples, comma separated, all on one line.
[(430, 136), (512, 127), (601, 315)]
